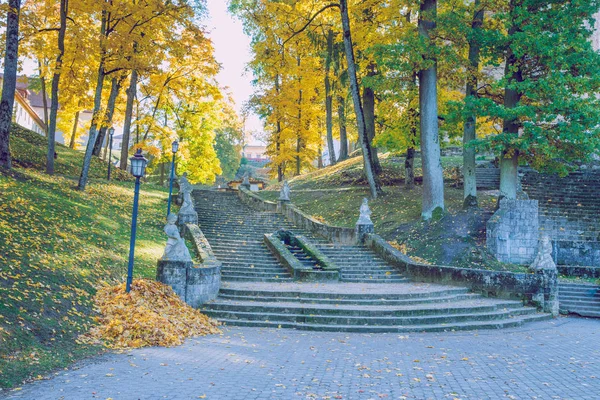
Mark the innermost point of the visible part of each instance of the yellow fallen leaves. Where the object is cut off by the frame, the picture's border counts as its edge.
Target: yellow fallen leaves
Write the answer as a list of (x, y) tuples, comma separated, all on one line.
[(150, 315), (405, 250)]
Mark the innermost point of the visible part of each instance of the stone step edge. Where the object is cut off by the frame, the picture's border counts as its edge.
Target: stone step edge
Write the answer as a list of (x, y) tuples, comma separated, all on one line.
[(498, 324)]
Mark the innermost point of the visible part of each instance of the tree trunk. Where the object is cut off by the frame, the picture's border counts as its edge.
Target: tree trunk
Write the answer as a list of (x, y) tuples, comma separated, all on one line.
[(409, 163), (74, 132), (374, 184), (9, 83), (128, 118), (93, 132), (469, 133), (320, 159), (44, 96), (342, 125), (369, 110), (162, 174), (409, 168), (329, 100), (509, 164), (115, 87), (509, 161), (433, 178), (280, 175), (64, 10), (298, 134)]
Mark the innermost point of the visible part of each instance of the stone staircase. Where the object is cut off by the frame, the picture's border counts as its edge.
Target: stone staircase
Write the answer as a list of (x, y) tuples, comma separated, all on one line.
[(581, 299), (569, 210), (371, 297), (237, 233), (365, 308), (487, 178)]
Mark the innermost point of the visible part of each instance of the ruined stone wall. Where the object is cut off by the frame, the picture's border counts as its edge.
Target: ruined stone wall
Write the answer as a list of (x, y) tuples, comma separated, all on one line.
[(513, 231)]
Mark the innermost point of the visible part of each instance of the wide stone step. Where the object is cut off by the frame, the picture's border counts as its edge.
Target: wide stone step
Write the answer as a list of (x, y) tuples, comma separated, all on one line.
[(341, 292), (579, 295), (361, 320), (571, 303), (371, 302), (584, 312), (464, 326), (248, 272), (247, 258), (243, 278), (476, 305), (459, 307), (375, 280)]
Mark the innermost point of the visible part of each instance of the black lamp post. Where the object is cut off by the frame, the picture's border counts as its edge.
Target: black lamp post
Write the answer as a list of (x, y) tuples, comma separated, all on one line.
[(174, 148), (111, 132), (138, 169)]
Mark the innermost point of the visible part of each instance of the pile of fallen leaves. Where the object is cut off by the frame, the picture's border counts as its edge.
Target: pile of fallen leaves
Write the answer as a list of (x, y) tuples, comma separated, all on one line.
[(151, 314)]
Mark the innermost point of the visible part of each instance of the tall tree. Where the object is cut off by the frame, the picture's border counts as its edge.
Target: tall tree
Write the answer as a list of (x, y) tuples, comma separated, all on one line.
[(329, 99), (64, 12), (9, 83), (369, 168), (433, 178), (469, 135)]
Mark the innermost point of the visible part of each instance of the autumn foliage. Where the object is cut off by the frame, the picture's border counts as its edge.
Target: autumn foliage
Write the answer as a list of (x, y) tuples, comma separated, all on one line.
[(150, 315)]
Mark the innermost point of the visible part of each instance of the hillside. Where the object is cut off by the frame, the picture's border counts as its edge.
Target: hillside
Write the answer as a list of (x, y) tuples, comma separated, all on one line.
[(334, 195), (57, 246)]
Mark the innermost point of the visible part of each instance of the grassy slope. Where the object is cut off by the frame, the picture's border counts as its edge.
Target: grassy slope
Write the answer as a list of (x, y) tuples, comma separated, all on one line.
[(56, 246), (334, 194)]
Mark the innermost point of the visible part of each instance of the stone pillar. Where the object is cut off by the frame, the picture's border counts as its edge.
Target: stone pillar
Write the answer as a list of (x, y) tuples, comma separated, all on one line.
[(174, 274), (513, 231), (364, 224)]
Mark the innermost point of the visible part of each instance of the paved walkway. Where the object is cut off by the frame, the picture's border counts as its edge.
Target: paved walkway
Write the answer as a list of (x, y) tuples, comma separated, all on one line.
[(557, 359)]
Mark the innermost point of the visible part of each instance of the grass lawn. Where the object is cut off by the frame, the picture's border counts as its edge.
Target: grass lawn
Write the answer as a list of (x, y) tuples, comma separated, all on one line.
[(57, 246)]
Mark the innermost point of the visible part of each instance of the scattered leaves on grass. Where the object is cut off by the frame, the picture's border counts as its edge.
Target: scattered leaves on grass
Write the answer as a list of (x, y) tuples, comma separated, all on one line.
[(150, 315)]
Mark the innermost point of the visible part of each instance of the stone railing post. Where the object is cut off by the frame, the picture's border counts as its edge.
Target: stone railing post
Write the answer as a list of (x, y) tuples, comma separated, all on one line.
[(364, 224)]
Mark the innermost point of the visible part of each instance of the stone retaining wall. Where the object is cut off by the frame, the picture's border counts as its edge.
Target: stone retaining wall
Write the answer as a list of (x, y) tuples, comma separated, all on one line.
[(540, 289), (299, 271)]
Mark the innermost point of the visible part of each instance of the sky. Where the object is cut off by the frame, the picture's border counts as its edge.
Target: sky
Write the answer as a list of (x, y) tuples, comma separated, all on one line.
[(232, 51)]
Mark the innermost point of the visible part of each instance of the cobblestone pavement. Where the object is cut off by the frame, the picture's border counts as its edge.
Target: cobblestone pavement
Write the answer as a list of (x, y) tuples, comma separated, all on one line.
[(557, 359)]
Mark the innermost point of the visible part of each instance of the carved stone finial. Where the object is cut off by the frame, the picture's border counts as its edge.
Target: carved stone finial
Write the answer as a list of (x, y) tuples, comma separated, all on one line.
[(543, 260), (246, 181), (365, 213), (175, 250), (284, 193)]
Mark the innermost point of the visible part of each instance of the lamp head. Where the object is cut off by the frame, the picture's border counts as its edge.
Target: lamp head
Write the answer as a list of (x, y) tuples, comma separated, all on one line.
[(138, 164), (175, 146)]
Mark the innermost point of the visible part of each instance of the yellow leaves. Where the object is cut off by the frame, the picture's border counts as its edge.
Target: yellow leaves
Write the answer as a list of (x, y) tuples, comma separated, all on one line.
[(150, 315)]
